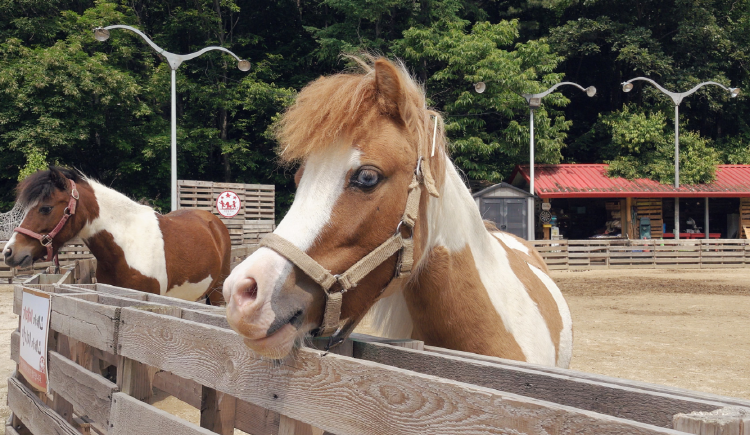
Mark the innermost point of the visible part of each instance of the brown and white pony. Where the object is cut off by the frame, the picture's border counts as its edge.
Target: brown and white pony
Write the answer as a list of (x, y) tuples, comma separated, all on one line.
[(360, 138), (183, 254)]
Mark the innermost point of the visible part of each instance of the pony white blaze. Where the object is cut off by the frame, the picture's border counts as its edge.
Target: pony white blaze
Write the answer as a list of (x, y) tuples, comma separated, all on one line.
[(322, 183)]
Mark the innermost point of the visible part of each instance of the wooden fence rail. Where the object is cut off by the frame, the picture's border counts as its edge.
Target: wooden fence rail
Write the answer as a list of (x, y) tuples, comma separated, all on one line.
[(74, 250), (372, 386), (644, 254)]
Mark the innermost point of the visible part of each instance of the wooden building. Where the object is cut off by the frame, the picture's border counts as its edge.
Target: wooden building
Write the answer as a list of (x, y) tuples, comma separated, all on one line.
[(586, 203), (507, 206)]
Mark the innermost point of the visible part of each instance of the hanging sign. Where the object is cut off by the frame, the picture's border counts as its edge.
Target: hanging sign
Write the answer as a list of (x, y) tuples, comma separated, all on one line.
[(35, 311), (546, 206), (228, 204)]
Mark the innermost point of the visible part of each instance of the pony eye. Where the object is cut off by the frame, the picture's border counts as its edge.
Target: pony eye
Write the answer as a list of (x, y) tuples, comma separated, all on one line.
[(366, 178), (45, 209)]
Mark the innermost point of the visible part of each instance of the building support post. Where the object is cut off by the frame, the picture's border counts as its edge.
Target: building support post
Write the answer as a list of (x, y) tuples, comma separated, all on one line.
[(705, 221), (676, 218), (531, 234)]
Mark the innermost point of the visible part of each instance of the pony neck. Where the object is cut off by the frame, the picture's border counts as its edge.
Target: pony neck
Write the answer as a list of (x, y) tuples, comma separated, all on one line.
[(453, 219), (453, 223)]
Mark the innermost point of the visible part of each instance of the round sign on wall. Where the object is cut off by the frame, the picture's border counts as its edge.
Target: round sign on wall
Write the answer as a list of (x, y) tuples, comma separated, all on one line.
[(228, 204), (545, 217)]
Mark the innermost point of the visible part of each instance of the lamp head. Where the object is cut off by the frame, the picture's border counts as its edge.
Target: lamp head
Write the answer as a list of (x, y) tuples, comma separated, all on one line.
[(733, 92), (101, 34), (480, 87), (244, 65), (627, 87), (591, 91)]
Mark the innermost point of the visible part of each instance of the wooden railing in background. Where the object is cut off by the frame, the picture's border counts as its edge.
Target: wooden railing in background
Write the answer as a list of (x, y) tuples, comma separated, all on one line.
[(644, 254), (254, 220), (68, 254)]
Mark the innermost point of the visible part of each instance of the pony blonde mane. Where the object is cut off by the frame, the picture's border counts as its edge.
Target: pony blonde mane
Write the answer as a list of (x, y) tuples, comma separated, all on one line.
[(339, 105)]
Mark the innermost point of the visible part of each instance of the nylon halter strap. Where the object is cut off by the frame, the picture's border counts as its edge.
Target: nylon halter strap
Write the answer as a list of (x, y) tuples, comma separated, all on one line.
[(46, 240), (397, 243)]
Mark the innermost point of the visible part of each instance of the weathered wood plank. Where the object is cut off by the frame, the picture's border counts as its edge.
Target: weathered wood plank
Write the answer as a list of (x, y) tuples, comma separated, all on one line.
[(86, 321), (624, 402), (628, 383), (130, 416), (89, 394), (35, 414), (89, 322), (15, 345), (308, 386)]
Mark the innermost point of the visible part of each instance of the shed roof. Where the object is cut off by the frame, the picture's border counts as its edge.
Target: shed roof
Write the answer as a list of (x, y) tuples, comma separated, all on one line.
[(591, 181), (501, 186)]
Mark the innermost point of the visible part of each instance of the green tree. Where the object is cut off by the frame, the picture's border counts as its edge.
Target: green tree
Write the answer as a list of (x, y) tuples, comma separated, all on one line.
[(489, 133)]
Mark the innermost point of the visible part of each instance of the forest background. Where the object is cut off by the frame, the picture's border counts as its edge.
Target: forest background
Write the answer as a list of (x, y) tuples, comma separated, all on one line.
[(104, 108)]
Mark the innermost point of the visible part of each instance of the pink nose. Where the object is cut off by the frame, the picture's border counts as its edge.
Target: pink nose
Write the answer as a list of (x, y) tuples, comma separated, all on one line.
[(248, 314), (245, 292)]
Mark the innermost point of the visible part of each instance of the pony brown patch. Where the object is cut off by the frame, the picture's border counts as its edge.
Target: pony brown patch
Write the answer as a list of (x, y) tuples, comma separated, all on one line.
[(187, 264), (449, 283), (537, 290)]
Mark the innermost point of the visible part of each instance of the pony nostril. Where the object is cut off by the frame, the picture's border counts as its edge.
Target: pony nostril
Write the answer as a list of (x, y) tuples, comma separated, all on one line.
[(247, 292), (8, 252)]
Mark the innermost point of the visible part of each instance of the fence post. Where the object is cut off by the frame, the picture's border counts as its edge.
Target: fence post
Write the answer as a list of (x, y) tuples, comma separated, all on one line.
[(290, 426), (217, 411)]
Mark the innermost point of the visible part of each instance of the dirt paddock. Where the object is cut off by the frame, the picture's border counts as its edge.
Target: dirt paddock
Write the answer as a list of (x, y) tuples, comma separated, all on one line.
[(685, 328)]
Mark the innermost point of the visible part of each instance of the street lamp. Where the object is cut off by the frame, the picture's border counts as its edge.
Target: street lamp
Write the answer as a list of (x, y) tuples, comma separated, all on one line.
[(174, 60), (535, 101), (677, 99)]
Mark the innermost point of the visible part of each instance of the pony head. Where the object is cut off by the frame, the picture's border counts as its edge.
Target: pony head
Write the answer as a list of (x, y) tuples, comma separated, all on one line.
[(359, 138), (44, 195)]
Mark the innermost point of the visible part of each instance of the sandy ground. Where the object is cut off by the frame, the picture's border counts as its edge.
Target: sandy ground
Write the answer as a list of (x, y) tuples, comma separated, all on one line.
[(685, 328), (8, 324)]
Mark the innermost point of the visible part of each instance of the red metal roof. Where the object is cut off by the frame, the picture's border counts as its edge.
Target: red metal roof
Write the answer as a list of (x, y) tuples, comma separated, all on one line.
[(591, 181)]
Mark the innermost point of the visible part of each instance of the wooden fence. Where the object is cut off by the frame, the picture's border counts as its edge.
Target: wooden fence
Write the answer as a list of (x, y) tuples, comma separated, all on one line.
[(253, 221), (368, 386), (644, 254), (72, 251)]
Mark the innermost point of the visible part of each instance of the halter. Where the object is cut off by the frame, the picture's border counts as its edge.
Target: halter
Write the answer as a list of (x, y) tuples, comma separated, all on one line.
[(332, 325), (46, 240)]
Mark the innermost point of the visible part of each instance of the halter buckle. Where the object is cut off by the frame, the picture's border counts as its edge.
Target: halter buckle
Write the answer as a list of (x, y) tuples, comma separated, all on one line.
[(66, 212), (74, 194), (45, 238), (337, 277), (411, 229)]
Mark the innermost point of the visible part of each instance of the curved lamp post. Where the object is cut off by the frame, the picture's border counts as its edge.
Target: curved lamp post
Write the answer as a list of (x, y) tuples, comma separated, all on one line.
[(535, 101), (174, 60), (677, 99)]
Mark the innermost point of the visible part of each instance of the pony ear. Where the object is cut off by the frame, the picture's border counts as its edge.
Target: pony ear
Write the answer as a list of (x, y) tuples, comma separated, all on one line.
[(58, 179), (389, 86)]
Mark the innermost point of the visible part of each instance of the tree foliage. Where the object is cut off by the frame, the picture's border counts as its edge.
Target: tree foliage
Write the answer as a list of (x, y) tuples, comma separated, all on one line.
[(105, 107)]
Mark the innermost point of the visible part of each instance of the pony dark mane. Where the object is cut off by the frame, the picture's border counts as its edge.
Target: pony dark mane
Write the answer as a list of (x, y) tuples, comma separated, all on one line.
[(42, 184)]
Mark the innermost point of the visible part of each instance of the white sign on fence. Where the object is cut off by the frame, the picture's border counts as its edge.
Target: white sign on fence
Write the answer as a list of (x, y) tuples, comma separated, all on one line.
[(228, 204), (34, 328)]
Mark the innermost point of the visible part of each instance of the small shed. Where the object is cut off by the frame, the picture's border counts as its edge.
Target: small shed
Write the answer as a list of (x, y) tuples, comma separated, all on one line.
[(508, 207)]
